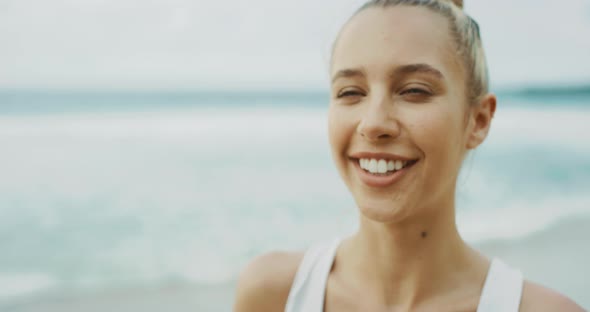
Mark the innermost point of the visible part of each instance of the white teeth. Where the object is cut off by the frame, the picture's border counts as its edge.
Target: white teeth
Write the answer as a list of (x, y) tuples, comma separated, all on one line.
[(381, 165), (390, 165), (372, 166)]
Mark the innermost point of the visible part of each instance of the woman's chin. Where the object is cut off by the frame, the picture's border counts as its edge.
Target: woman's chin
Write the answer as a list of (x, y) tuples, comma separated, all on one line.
[(384, 211)]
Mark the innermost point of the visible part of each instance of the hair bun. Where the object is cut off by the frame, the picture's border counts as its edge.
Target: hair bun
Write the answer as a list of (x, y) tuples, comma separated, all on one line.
[(458, 3)]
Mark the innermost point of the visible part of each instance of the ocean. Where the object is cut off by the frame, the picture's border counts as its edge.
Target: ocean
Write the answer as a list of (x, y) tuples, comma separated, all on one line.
[(125, 201)]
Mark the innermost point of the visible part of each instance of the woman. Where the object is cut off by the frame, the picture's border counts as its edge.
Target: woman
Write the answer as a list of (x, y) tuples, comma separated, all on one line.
[(409, 100)]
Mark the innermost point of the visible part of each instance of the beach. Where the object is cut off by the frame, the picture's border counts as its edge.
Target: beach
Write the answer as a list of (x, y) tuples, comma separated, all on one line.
[(150, 150), (553, 258), (162, 298), (157, 206)]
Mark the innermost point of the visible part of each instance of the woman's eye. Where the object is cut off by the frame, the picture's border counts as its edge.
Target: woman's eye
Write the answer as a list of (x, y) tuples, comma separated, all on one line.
[(415, 91), (347, 93)]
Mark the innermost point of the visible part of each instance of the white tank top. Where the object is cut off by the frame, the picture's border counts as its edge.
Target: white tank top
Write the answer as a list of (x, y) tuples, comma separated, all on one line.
[(501, 291)]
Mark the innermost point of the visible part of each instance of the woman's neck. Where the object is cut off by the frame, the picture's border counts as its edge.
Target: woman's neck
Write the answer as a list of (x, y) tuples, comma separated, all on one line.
[(403, 263)]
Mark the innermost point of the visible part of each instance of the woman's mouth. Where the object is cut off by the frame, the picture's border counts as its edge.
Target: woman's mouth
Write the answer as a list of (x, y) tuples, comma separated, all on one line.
[(382, 172), (382, 166)]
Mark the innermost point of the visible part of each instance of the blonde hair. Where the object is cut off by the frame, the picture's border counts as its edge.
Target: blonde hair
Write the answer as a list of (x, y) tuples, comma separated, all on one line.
[(465, 32)]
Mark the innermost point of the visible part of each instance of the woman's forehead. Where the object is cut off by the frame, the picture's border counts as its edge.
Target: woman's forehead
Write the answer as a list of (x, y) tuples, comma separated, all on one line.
[(385, 37)]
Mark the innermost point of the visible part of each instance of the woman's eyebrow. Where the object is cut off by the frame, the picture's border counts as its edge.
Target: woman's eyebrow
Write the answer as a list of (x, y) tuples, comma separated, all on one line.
[(416, 68), (348, 73), (402, 70)]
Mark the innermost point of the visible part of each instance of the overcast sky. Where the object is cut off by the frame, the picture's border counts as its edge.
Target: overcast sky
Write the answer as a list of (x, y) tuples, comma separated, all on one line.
[(254, 44)]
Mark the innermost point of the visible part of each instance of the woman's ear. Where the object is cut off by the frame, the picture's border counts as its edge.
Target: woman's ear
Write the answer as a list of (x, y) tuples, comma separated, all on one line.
[(480, 120)]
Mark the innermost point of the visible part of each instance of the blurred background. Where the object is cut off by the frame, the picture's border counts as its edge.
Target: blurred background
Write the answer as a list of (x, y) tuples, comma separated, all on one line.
[(150, 149)]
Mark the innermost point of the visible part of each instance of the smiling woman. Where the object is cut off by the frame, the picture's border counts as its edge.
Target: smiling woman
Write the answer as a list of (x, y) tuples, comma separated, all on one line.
[(409, 100)]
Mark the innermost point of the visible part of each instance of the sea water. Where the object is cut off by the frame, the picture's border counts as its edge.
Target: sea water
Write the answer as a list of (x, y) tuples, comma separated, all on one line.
[(106, 191)]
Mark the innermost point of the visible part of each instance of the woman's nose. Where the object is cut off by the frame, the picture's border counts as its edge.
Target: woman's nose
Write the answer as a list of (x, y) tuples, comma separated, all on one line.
[(378, 121)]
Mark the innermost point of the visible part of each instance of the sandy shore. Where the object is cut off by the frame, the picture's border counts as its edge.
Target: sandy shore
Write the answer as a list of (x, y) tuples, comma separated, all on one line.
[(169, 299), (557, 257)]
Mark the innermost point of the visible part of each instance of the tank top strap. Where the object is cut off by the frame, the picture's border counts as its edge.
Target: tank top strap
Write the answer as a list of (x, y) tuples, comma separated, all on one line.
[(309, 285), (502, 289)]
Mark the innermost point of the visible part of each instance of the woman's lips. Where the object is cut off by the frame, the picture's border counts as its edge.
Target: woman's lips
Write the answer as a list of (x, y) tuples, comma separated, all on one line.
[(381, 180)]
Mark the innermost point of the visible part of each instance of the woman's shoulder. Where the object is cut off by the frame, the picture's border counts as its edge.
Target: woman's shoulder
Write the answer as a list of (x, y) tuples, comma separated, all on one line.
[(538, 298), (264, 284)]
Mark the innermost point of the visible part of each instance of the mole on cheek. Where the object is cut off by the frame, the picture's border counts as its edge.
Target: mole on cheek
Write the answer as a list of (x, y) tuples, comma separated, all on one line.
[(424, 234)]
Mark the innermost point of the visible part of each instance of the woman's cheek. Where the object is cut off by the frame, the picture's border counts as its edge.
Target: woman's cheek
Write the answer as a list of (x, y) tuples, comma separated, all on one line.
[(336, 132), (332, 125), (340, 123), (434, 134)]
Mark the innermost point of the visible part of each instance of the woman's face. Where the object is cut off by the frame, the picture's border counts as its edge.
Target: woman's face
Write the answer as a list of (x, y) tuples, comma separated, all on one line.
[(398, 100)]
